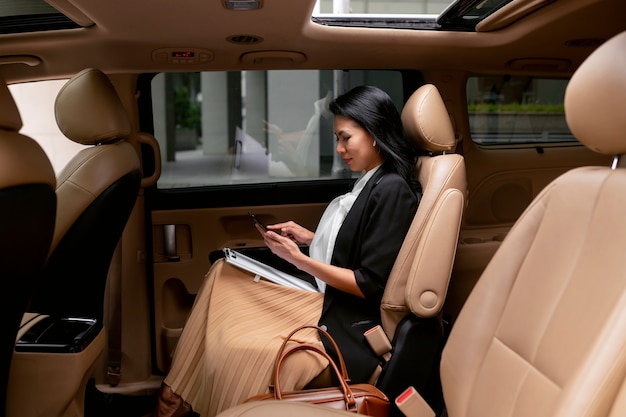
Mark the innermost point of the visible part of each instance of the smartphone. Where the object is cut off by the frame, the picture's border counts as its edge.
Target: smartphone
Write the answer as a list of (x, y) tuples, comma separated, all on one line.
[(257, 221)]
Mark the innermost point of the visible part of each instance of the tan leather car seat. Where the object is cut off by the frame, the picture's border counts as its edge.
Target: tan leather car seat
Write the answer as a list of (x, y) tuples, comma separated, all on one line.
[(420, 276), (412, 303), (96, 192), (543, 333), (27, 214), (413, 300)]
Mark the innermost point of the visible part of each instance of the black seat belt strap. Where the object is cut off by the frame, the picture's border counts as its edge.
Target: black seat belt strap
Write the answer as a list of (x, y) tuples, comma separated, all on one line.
[(114, 358)]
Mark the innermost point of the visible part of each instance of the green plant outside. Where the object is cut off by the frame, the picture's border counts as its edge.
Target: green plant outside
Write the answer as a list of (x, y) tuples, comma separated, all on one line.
[(515, 108), (187, 113)]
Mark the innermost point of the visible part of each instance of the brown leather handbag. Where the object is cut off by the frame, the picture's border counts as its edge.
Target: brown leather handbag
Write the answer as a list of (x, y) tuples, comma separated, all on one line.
[(363, 398)]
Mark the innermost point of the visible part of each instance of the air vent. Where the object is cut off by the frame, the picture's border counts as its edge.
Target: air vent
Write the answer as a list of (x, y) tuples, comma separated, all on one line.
[(585, 43), (540, 64), (245, 39)]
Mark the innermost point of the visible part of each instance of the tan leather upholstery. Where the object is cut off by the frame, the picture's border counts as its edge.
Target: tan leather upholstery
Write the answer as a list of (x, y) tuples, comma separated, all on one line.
[(22, 161), (544, 331), (96, 191), (88, 111), (591, 101), (419, 280), (619, 405), (427, 122), (27, 213)]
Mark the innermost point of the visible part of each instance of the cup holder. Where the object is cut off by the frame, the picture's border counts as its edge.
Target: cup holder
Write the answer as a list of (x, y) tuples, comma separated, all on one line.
[(59, 335)]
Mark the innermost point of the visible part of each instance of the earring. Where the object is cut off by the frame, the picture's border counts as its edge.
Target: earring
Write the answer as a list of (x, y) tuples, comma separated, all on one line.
[(374, 145)]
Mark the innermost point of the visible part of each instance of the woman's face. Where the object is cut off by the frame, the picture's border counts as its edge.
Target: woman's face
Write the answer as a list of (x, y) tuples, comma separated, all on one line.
[(355, 145)]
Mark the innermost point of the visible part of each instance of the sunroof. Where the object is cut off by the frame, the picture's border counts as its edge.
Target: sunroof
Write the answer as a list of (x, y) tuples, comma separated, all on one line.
[(459, 15), (466, 14), (381, 7), (18, 16)]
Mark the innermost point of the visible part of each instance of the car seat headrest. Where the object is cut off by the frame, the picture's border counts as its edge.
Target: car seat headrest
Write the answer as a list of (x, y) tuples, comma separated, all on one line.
[(89, 111), (426, 120), (10, 118), (22, 160), (595, 99)]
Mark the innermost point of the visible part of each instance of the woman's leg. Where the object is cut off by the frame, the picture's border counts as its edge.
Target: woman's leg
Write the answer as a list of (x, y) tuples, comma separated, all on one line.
[(241, 323), (170, 403)]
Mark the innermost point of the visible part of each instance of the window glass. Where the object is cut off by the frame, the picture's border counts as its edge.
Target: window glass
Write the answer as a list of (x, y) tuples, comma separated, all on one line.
[(246, 127), (35, 102), (517, 110), (394, 7), (18, 16)]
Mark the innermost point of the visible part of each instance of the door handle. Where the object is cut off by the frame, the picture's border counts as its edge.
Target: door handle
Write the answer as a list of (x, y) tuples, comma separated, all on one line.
[(169, 243)]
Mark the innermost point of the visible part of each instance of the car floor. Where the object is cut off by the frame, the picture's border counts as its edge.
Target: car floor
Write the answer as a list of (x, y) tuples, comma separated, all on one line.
[(98, 404)]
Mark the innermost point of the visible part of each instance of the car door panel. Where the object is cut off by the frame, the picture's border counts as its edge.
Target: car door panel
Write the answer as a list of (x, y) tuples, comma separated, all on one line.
[(197, 233)]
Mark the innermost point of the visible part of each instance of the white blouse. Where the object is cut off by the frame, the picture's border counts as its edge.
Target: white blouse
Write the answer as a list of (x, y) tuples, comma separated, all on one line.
[(323, 242)]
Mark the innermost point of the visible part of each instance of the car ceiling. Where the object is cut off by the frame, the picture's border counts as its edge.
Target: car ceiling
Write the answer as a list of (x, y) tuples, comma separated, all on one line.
[(122, 37)]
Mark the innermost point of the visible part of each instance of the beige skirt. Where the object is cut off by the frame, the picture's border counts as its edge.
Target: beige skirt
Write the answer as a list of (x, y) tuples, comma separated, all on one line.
[(227, 350)]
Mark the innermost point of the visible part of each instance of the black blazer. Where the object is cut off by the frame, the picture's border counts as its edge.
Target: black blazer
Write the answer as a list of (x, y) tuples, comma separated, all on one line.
[(368, 242)]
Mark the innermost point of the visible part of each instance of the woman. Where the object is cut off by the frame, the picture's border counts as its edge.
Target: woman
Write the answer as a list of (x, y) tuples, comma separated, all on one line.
[(227, 349)]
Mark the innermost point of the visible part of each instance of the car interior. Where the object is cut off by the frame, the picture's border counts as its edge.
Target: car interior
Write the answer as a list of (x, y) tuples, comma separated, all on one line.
[(508, 354), (28, 207), (137, 136)]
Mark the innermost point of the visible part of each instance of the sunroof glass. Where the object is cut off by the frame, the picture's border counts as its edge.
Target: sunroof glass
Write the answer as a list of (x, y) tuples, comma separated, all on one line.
[(381, 7), (459, 15), (18, 16)]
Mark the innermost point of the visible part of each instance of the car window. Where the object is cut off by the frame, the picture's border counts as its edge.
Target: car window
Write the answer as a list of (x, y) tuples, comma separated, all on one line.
[(506, 110), (35, 102), (217, 128), (17, 16), (370, 7)]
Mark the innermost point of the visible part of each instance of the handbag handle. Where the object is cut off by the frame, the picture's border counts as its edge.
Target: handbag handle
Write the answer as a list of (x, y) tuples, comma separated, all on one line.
[(343, 382), (342, 363)]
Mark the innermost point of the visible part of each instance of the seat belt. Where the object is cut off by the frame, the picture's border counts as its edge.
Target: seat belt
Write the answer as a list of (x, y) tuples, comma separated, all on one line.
[(114, 357)]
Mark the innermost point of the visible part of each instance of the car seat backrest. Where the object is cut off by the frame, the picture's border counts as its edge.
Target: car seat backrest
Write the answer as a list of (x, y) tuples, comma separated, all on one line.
[(419, 279), (543, 333), (96, 192), (27, 215), (411, 307)]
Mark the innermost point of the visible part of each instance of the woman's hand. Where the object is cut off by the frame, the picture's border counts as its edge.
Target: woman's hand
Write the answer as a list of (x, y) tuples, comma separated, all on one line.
[(283, 246), (283, 238), (293, 231)]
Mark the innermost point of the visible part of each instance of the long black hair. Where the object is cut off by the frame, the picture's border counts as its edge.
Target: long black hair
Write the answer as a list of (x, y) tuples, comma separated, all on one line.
[(373, 110)]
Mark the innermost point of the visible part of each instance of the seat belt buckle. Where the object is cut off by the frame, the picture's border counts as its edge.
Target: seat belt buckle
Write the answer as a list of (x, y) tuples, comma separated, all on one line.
[(114, 373), (412, 404), (379, 342)]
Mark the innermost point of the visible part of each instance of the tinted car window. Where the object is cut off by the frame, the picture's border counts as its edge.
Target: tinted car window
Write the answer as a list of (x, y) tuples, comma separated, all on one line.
[(35, 101), (246, 127), (517, 110)]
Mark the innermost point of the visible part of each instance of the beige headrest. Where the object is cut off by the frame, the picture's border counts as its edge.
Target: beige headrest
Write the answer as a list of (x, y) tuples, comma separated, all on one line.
[(595, 99), (22, 160), (427, 122), (89, 111), (10, 118)]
